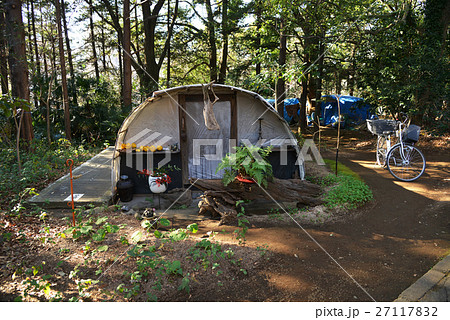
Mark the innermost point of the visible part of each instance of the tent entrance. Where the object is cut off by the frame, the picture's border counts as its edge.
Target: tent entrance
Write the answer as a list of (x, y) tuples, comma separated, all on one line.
[(203, 149), (202, 143)]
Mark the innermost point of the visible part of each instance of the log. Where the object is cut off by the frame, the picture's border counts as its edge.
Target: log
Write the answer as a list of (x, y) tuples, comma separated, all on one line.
[(216, 206), (220, 201), (290, 190)]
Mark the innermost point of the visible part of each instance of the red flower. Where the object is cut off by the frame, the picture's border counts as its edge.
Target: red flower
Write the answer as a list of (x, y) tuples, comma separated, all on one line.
[(163, 179), (145, 171)]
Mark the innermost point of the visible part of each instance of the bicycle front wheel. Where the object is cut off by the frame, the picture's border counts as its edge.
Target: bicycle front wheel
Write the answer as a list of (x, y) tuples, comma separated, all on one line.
[(405, 164)]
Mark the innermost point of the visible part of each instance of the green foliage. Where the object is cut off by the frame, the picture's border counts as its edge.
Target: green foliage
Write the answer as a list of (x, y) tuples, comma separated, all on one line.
[(247, 161), (342, 169), (346, 191), (243, 223), (46, 162)]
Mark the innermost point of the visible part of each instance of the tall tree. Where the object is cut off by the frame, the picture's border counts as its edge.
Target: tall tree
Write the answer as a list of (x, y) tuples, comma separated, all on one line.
[(126, 54), (94, 51), (3, 56), (36, 51), (168, 49), (280, 86), (434, 61), (62, 62), (225, 32), (211, 41), (69, 53), (150, 78), (17, 60)]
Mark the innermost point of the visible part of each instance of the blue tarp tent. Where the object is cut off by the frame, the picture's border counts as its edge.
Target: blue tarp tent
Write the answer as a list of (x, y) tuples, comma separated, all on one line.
[(353, 109), (287, 102)]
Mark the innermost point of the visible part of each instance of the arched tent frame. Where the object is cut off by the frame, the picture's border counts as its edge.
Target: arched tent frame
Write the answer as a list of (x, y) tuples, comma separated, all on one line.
[(171, 106)]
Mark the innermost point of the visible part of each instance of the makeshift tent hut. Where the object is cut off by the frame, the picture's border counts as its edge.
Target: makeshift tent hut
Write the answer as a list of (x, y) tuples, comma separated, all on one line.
[(291, 109), (354, 110), (174, 120)]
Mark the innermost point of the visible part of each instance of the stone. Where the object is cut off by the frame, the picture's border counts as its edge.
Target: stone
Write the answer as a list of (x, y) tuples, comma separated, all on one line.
[(178, 197), (142, 205), (95, 210), (129, 212)]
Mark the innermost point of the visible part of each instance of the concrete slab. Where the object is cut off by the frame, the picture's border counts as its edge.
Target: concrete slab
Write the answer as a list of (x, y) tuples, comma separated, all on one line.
[(434, 286), (92, 180)]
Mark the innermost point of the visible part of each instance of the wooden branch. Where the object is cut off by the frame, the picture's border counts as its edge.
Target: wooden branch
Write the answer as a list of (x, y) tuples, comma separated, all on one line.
[(208, 111)]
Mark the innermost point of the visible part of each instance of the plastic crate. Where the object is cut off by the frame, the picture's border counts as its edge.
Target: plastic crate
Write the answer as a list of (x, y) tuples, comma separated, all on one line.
[(380, 126), (411, 134)]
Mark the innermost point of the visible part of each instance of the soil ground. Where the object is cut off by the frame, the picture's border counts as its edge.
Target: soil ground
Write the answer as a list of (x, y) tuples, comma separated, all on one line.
[(374, 253)]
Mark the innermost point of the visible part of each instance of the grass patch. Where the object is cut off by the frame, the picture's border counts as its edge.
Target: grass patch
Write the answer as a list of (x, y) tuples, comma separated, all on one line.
[(348, 190), (342, 169)]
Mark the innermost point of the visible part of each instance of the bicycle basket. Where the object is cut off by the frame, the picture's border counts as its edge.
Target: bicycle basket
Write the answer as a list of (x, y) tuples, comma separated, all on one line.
[(379, 126), (411, 134)]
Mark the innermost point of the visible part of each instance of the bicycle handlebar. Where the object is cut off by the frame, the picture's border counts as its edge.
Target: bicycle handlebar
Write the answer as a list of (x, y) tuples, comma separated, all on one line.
[(402, 115)]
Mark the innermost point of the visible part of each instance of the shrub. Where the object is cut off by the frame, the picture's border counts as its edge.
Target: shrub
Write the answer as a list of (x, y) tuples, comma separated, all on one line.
[(348, 192), (46, 163)]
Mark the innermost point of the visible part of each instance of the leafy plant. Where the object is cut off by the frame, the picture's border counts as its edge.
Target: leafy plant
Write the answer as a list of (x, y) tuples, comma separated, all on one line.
[(242, 223), (247, 161)]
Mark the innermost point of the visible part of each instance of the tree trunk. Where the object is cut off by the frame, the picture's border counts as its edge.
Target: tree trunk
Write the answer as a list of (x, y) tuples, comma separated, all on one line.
[(17, 60), (31, 56), (258, 34), (318, 87), (94, 51), (44, 55), (212, 42), (119, 50), (3, 57), (303, 98), (126, 55), (36, 51), (168, 49), (150, 79), (53, 65), (223, 64), (63, 73), (69, 54), (103, 50), (280, 87), (136, 26)]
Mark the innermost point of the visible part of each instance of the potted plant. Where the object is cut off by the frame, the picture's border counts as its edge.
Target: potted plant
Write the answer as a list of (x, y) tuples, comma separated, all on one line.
[(249, 165), (158, 178)]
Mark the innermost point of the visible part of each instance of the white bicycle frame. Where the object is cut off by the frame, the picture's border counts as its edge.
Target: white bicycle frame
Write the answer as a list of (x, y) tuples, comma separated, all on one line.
[(398, 133)]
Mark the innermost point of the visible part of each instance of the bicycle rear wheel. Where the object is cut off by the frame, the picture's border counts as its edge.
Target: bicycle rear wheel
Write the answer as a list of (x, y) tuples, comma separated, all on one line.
[(408, 165)]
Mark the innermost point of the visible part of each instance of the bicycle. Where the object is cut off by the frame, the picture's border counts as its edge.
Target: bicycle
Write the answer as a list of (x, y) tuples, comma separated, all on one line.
[(403, 160)]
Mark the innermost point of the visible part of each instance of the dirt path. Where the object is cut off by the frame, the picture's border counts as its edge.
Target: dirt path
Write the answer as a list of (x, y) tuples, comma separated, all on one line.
[(389, 244), (372, 254)]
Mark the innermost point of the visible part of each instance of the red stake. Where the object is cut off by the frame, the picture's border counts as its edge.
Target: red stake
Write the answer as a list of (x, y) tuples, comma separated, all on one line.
[(69, 163)]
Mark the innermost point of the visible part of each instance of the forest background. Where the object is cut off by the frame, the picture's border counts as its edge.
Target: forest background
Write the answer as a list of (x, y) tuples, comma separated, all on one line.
[(74, 69)]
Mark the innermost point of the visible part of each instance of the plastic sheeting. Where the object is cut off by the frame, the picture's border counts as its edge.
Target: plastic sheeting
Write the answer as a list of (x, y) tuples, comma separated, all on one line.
[(157, 124), (207, 147), (287, 102), (355, 110), (273, 131)]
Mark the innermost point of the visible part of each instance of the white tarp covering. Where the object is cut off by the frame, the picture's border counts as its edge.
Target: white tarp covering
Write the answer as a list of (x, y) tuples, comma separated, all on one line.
[(157, 124), (273, 131)]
